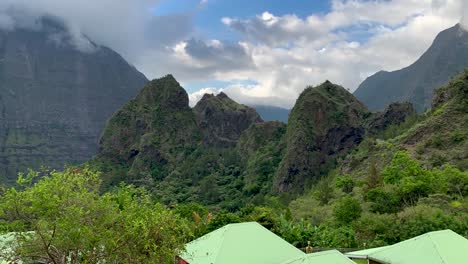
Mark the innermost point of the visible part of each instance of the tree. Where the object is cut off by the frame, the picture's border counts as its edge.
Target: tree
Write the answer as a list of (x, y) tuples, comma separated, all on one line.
[(345, 183), (383, 201), (347, 210), (373, 178), (324, 190), (68, 221)]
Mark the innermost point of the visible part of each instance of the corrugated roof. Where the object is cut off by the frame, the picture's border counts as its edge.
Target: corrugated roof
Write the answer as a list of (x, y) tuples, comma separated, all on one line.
[(325, 257), (246, 243), (439, 247)]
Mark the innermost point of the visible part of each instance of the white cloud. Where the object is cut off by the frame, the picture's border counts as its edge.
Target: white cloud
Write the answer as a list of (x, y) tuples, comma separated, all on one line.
[(356, 39), (282, 54), (127, 26)]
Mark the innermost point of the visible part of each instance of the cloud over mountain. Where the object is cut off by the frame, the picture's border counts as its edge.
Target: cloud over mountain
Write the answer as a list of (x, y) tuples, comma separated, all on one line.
[(281, 53)]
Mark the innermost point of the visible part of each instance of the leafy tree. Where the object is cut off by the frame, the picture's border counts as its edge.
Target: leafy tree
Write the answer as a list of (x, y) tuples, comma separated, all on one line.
[(383, 201), (324, 190), (412, 180), (68, 221), (373, 178), (345, 183), (347, 210)]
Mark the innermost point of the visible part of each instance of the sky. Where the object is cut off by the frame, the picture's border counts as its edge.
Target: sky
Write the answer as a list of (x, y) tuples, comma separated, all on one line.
[(257, 51)]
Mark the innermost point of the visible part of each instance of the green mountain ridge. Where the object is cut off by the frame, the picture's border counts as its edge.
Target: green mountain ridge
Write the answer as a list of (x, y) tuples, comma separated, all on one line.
[(221, 153)]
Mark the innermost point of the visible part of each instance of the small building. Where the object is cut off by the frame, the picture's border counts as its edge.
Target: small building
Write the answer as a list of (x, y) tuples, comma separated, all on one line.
[(438, 247), (324, 257), (246, 243)]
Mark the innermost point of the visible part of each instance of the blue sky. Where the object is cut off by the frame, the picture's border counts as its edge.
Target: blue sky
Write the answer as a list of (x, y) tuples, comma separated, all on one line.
[(208, 15)]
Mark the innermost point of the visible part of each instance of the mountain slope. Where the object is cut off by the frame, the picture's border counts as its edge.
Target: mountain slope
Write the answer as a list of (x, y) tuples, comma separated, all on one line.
[(183, 154), (55, 99), (447, 57)]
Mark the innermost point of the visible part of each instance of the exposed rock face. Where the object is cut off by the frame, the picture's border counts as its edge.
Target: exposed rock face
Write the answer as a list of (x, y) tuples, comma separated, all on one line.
[(394, 114), (222, 120), (55, 99), (325, 122), (447, 57)]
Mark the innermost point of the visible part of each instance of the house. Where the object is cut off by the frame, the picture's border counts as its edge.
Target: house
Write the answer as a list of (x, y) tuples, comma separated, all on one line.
[(324, 257), (439, 247), (239, 243)]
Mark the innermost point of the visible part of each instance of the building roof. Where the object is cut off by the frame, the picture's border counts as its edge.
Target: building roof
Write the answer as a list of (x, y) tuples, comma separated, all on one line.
[(363, 254), (240, 243), (439, 247), (325, 257)]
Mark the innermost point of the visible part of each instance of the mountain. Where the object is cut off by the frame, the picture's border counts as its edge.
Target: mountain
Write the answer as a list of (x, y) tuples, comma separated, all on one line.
[(326, 122), (447, 57), (272, 113), (157, 134), (54, 98), (220, 153), (222, 120)]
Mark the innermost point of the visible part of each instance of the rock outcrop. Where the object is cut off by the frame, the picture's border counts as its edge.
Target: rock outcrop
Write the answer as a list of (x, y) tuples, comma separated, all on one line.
[(325, 122), (394, 114), (222, 120)]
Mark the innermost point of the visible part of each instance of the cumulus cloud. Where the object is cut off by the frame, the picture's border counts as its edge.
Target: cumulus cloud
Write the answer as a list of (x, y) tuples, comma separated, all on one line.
[(354, 40), (282, 53), (128, 26)]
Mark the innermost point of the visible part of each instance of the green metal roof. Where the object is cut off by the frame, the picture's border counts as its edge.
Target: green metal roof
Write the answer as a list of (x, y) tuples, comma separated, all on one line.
[(439, 247), (246, 243), (325, 257), (364, 253)]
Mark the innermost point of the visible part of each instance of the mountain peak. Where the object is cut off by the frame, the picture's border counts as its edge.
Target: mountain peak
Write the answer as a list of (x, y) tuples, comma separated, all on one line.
[(223, 119), (165, 92), (446, 57), (326, 122), (223, 95)]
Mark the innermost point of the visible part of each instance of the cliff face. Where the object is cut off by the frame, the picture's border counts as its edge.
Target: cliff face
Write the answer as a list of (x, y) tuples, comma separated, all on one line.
[(222, 120), (325, 122), (55, 99), (447, 57)]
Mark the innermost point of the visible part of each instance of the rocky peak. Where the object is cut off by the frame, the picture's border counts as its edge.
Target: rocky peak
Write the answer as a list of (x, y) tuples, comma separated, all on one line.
[(222, 120), (164, 93), (325, 122), (394, 114)]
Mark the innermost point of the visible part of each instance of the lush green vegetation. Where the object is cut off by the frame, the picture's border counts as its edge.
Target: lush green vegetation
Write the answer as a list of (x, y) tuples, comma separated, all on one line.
[(63, 216)]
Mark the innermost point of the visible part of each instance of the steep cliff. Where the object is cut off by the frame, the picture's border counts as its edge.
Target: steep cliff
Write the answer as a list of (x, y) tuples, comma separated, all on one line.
[(325, 122), (54, 98)]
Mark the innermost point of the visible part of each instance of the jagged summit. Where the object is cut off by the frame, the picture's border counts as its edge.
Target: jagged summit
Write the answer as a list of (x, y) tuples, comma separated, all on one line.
[(325, 122), (222, 120), (447, 56)]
